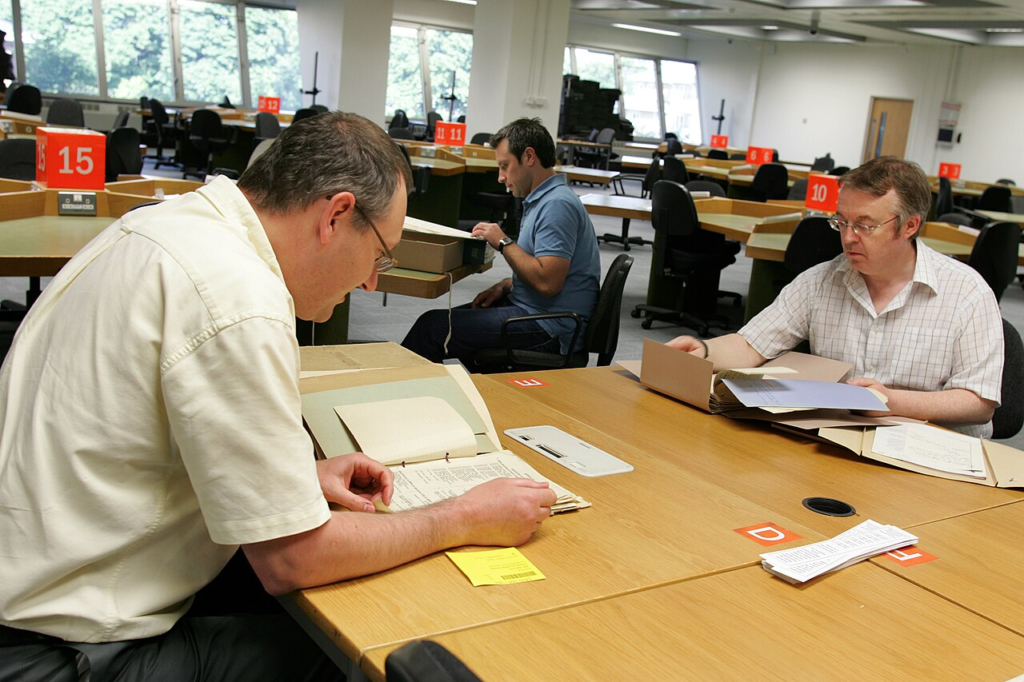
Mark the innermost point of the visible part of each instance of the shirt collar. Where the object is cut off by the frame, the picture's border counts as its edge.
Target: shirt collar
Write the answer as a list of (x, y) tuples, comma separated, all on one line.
[(556, 180)]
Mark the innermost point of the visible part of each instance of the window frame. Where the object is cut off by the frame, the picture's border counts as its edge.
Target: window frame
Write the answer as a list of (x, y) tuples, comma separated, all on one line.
[(424, 55)]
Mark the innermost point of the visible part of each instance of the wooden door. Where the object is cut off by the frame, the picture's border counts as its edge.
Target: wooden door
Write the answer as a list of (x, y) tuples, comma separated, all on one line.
[(888, 128)]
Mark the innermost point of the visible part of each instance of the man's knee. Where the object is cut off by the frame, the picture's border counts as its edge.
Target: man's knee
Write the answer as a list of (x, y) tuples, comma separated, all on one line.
[(427, 334)]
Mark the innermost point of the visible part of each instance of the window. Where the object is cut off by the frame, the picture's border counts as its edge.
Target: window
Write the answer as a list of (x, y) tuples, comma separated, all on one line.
[(7, 26), (567, 62), (405, 80), (137, 46), (272, 39), (640, 96), (209, 52), (596, 66), (60, 46), (450, 54), (682, 103)]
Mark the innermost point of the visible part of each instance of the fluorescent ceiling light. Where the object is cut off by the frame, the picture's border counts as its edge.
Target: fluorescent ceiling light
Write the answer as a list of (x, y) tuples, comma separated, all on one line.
[(770, 28), (464, 2), (659, 31)]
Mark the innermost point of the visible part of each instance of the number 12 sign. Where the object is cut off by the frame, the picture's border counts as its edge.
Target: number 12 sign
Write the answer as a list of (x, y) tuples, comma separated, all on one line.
[(70, 158), (822, 193), (450, 133)]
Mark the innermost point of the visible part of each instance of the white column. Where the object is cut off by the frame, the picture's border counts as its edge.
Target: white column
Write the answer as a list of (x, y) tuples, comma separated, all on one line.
[(518, 47), (353, 38)]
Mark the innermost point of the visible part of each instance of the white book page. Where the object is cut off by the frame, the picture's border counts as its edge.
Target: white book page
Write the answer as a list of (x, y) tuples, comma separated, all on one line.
[(934, 448), (408, 430)]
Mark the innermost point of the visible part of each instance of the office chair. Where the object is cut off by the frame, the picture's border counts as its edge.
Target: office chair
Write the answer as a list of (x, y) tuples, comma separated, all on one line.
[(798, 192), (598, 156), (674, 171), (319, 108), (426, 661), (813, 242), (401, 134), (994, 255), (121, 120), (481, 138), (432, 118), (23, 98), (400, 120), (709, 186), (267, 128), (160, 133), (420, 176), (995, 198), (770, 182), (685, 252), (738, 156), (66, 112), (303, 114), (602, 335), (647, 180), (1006, 181), (839, 171), (944, 197), (1009, 416), (123, 156), (18, 159), (956, 219), (208, 135), (673, 146), (461, 119), (824, 163), (718, 154), (259, 151)]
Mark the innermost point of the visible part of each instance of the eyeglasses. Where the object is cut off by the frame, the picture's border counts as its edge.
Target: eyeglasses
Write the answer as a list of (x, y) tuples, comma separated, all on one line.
[(387, 261), (859, 229)]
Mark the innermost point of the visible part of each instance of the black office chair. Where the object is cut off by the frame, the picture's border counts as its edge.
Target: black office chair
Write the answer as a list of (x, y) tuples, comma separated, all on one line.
[(738, 156), (683, 251), (597, 157), (461, 118), (23, 98), (267, 128), (208, 135), (426, 661), (823, 163), (432, 118), (994, 255), (674, 171), (121, 120), (839, 171), (709, 186), (673, 146), (66, 112), (401, 133), (602, 335), (647, 180), (18, 159), (798, 192), (995, 198), (812, 242), (302, 114), (481, 138), (770, 182), (161, 132), (123, 156), (420, 176), (956, 219), (319, 108), (1006, 181), (1009, 416), (400, 120), (720, 154), (944, 198)]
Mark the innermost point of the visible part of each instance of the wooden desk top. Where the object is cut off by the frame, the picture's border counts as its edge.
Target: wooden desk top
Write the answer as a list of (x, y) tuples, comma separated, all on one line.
[(979, 563), (439, 166), (655, 525), (1003, 217), (859, 624), (595, 175), (424, 284), (617, 206)]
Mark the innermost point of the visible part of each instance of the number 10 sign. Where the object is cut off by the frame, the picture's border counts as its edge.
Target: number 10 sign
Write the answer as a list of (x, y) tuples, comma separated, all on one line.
[(822, 193), (70, 158)]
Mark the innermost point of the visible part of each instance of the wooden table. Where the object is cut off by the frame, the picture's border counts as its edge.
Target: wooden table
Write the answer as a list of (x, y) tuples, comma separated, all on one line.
[(594, 176), (1001, 217), (572, 144), (623, 207)]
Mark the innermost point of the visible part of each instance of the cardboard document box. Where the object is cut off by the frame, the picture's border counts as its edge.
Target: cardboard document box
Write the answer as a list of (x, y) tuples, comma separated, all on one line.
[(472, 250), (428, 252)]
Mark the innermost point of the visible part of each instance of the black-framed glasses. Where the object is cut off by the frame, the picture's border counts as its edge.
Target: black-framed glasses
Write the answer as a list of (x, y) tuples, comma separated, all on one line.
[(859, 229), (387, 261)]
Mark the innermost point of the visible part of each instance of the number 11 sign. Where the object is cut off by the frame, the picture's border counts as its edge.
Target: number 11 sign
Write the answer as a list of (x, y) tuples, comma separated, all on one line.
[(450, 133)]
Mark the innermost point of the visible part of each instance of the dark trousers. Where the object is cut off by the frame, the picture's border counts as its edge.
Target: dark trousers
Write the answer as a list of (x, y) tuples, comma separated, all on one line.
[(234, 631), (474, 329)]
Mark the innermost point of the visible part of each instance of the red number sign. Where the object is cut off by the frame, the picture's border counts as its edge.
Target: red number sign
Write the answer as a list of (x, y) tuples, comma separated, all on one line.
[(759, 155), (719, 141), (450, 133), (271, 105), (69, 158), (822, 193), (949, 170)]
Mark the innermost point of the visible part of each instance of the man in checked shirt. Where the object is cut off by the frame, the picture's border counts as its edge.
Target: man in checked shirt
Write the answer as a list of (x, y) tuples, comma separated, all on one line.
[(918, 326)]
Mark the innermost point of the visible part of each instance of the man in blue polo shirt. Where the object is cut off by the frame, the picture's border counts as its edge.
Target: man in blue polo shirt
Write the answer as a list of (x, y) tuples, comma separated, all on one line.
[(555, 264)]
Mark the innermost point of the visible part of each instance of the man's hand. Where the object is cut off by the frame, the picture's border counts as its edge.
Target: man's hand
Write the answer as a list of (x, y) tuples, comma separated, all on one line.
[(491, 232), (505, 512), (355, 481), (877, 386), (488, 297), (689, 344)]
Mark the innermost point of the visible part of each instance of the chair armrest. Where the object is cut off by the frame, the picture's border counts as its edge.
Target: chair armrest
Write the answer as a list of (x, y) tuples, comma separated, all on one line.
[(541, 316)]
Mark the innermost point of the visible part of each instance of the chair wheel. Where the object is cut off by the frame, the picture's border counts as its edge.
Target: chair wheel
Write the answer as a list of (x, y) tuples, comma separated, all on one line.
[(646, 324), (635, 314)]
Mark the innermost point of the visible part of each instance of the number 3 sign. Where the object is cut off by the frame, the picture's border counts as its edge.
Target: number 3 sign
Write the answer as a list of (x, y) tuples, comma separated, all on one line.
[(69, 158)]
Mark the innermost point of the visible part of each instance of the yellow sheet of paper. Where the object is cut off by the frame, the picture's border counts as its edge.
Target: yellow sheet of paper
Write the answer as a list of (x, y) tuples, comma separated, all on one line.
[(496, 567)]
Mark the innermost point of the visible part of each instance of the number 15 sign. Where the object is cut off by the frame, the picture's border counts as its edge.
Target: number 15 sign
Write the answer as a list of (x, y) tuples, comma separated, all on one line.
[(70, 158)]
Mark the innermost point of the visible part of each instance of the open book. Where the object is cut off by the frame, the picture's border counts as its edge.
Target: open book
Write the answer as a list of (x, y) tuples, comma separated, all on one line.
[(428, 424)]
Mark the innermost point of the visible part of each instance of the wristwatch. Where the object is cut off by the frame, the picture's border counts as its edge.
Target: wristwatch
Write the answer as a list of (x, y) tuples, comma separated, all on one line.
[(503, 243)]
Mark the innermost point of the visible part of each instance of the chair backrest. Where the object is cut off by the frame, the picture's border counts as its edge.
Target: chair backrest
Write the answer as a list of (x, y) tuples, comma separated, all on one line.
[(159, 114), (995, 198), (420, 176), (319, 108), (652, 175), (718, 154), (267, 126), (66, 112), (823, 163), (592, 137), (675, 171), (770, 182), (461, 118), (994, 255), (1006, 181), (123, 155), (709, 186), (738, 156), (143, 102), (672, 145), (401, 133), (606, 136), (259, 150), (1009, 416), (481, 138), (798, 192), (432, 118), (18, 159), (302, 114), (121, 120), (839, 170), (205, 125), (603, 327), (400, 119), (812, 242), (775, 155), (956, 219), (944, 197), (672, 210), (426, 661), (25, 99)]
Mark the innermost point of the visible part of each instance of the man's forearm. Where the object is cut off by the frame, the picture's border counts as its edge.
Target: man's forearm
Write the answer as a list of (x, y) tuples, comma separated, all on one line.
[(953, 406), (732, 351)]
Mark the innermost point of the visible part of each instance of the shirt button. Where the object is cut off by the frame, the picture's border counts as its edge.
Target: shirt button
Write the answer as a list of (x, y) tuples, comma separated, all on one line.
[(871, 368)]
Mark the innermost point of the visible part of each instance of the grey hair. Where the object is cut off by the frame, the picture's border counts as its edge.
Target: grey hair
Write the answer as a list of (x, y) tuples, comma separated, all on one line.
[(909, 182), (323, 155)]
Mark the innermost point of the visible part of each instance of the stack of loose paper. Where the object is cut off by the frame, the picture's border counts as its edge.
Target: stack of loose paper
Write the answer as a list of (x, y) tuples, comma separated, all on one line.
[(863, 541), (788, 394), (930, 447)]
